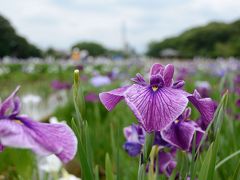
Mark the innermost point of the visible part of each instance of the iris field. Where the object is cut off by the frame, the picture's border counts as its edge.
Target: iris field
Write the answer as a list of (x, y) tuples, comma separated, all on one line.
[(140, 138)]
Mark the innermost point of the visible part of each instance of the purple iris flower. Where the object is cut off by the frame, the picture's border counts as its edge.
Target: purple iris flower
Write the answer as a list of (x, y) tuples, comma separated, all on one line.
[(1, 147), (167, 162), (135, 136), (237, 79), (58, 85), (91, 97), (158, 104), (182, 73), (238, 103), (203, 87), (181, 132), (99, 80), (20, 131), (79, 67)]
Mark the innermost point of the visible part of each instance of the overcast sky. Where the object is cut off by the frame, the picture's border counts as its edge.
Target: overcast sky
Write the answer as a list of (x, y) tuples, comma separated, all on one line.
[(61, 23)]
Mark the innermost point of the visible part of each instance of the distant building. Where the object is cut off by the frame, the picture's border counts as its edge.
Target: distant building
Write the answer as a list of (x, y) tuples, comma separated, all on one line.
[(79, 55), (75, 54), (169, 53)]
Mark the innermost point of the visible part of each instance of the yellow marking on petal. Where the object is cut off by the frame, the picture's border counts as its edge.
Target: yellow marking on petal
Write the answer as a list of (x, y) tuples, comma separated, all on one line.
[(154, 88), (176, 121), (18, 122)]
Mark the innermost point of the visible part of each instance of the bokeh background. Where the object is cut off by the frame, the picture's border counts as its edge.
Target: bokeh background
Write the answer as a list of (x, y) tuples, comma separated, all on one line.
[(43, 41)]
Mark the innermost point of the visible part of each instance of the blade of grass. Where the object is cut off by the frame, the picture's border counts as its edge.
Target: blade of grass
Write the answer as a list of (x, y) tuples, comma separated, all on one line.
[(108, 168), (147, 146), (192, 164), (236, 173), (82, 155), (227, 159), (208, 166), (203, 174), (96, 173), (217, 120)]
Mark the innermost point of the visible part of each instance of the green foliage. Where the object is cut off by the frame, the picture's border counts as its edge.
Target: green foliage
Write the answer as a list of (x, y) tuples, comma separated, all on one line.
[(213, 40), (108, 168), (55, 53), (94, 49), (11, 44), (17, 164), (80, 128)]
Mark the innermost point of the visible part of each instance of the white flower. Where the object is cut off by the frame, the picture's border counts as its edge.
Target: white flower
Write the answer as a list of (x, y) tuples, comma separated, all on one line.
[(67, 176), (54, 120), (31, 98), (50, 164)]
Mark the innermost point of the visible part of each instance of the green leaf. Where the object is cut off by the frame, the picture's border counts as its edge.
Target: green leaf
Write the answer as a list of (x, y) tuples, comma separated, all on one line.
[(182, 164), (236, 174), (83, 156), (208, 166), (203, 174), (147, 146), (217, 120), (108, 168), (192, 163), (141, 172), (153, 155), (81, 130), (88, 145), (96, 173)]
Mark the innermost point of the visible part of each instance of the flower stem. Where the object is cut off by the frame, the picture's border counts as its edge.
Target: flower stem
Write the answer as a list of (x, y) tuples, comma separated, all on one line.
[(226, 159)]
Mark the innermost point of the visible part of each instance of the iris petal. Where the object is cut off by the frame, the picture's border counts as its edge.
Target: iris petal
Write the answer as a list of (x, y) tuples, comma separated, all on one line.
[(111, 98), (42, 138), (180, 134), (166, 163), (156, 69), (139, 80), (155, 110), (168, 75), (133, 149), (11, 105), (205, 106)]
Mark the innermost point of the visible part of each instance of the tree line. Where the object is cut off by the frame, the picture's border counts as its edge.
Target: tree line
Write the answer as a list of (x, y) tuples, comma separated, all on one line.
[(216, 39), (213, 40)]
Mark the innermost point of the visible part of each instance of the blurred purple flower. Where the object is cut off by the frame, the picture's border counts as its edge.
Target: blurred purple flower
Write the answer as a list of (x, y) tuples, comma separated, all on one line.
[(203, 87), (158, 104), (79, 67), (20, 131), (91, 97), (237, 79), (238, 103), (166, 162), (84, 78), (1, 147), (58, 85), (237, 90), (182, 73), (135, 136), (98, 81)]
